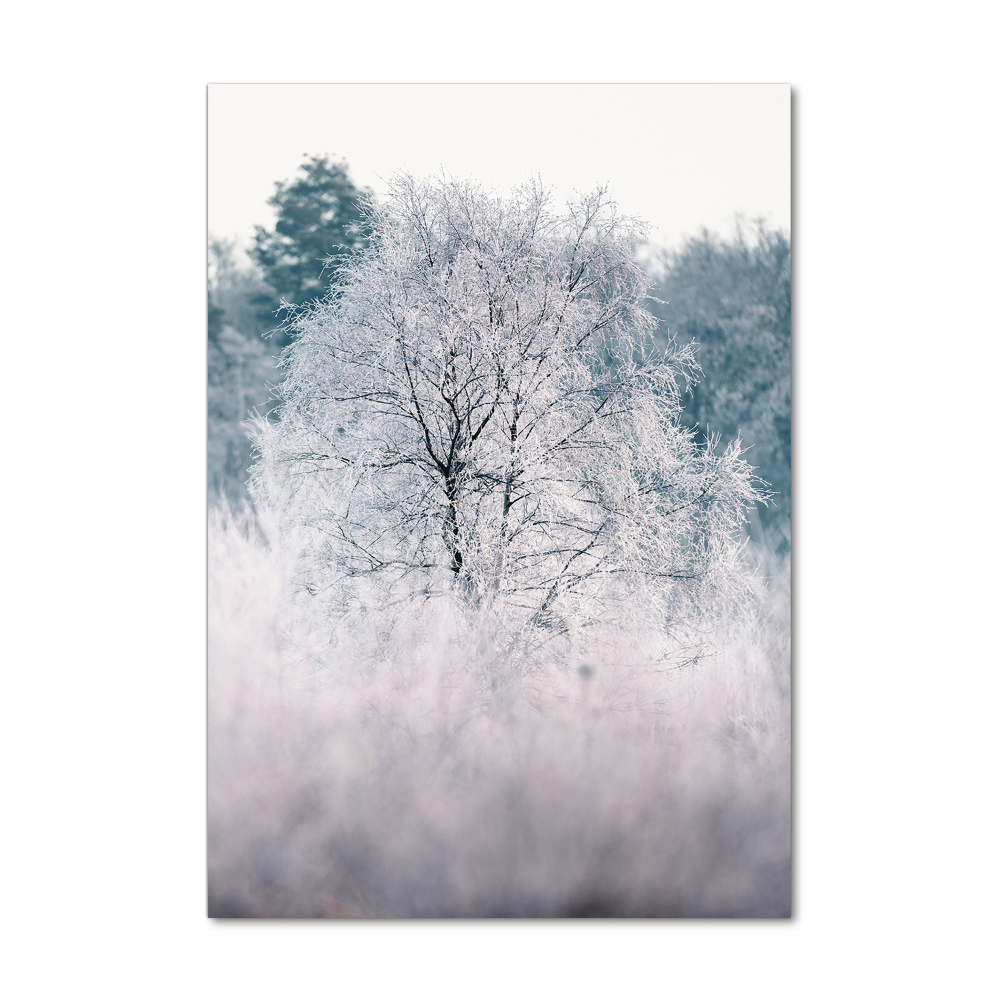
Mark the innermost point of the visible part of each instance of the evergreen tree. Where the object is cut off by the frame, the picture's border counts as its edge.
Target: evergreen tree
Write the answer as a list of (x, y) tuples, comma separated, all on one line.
[(318, 227)]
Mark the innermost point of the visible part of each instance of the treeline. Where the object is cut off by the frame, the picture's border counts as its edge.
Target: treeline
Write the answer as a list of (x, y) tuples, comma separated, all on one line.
[(318, 225), (733, 297)]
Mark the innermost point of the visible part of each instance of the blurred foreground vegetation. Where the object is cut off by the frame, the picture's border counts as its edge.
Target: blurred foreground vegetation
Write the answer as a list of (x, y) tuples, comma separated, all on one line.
[(373, 770)]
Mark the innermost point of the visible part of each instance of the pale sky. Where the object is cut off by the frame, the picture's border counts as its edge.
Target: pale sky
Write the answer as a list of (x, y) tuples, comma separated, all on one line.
[(680, 156)]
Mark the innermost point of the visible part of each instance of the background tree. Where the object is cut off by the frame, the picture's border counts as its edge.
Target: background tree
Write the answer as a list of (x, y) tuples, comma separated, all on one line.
[(318, 227), (479, 409), (734, 298), (317, 215), (240, 370)]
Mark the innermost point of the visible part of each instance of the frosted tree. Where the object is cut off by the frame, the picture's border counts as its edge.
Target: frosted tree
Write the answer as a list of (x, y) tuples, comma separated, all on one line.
[(479, 409)]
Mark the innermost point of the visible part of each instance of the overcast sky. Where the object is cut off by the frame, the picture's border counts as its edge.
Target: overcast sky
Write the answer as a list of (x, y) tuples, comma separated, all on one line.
[(680, 156)]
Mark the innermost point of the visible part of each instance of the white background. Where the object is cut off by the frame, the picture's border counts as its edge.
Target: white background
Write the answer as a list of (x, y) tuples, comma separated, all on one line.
[(679, 156), (895, 228)]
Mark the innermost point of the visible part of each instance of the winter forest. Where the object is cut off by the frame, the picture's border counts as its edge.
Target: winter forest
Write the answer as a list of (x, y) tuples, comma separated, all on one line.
[(499, 558)]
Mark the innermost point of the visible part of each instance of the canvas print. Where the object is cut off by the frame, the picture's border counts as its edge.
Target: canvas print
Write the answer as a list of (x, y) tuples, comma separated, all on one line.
[(499, 520)]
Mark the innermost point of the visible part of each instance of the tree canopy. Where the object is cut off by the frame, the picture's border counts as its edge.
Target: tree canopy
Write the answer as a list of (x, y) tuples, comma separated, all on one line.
[(733, 297), (318, 226)]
